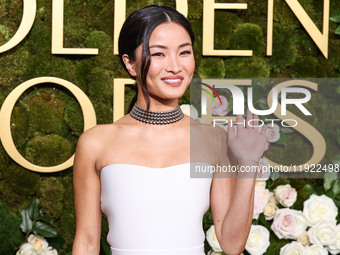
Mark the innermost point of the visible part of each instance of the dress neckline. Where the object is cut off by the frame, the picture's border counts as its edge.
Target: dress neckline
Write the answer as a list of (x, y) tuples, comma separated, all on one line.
[(153, 168)]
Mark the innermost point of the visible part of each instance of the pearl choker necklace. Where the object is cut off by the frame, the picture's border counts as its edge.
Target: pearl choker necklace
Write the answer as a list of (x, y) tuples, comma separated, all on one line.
[(156, 118)]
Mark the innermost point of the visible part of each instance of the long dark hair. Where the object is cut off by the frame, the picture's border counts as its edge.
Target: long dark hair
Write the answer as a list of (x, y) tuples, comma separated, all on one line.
[(137, 30)]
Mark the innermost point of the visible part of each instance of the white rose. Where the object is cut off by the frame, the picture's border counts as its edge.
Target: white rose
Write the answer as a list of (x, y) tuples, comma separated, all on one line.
[(27, 249), (270, 210), (258, 240), (218, 109), (273, 133), (316, 249), (259, 203), (260, 184), (265, 195), (286, 195), (293, 248), (288, 223), (38, 242), (301, 224), (190, 111), (323, 232), (318, 208), (272, 198), (212, 239), (49, 251), (335, 247), (264, 173), (303, 239)]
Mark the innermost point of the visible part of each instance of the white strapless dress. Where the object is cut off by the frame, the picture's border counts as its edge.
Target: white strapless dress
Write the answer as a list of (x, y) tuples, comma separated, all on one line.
[(154, 210)]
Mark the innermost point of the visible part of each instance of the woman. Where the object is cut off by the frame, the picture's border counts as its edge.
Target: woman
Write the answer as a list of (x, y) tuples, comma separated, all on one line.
[(136, 170)]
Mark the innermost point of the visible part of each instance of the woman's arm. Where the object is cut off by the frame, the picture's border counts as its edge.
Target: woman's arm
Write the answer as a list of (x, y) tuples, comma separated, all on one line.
[(86, 197), (232, 199)]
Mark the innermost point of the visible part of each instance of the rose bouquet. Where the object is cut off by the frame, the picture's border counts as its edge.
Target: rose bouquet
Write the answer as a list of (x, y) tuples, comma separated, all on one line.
[(313, 230), (37, 225), (36, 245)]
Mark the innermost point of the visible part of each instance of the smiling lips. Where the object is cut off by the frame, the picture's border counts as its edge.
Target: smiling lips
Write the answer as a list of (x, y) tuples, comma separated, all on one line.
[(173, 81)]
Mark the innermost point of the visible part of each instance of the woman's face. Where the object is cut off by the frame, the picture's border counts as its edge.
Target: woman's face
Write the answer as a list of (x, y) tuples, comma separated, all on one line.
[(172, 61)]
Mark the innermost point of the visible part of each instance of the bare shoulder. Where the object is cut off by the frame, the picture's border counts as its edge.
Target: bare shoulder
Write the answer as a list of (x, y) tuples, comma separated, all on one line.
[(99, 135), (93, 142), (94, 137)]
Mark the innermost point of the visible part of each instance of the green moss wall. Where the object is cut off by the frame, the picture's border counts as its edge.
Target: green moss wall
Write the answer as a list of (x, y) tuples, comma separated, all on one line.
[(47, 120)]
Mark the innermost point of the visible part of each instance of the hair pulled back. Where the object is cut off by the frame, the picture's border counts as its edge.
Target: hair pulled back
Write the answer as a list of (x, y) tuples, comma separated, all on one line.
[(137, 30)]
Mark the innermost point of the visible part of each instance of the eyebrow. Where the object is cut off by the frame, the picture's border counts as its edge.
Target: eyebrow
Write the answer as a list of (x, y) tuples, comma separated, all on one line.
[(164, 47)]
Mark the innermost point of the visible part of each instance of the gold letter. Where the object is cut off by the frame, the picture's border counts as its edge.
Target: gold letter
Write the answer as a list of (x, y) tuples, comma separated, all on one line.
[(304, 128), (118, 96), (209, 7), (30, 8), (5, 119), (320, 39), (58, 32), (270, 27), (119, 18)]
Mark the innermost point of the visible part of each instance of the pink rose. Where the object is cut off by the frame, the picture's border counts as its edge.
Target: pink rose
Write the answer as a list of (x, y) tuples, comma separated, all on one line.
[(284, 223), (273, 133), (218, 109), (286, 195), (260, 203)]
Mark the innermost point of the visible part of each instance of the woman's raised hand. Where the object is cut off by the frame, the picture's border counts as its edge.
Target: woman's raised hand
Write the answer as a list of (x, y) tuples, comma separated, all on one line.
[(249, 142)]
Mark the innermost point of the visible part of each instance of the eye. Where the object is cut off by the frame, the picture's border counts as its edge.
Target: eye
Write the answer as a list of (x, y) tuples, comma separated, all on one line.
[(157, 54), (186, 52)]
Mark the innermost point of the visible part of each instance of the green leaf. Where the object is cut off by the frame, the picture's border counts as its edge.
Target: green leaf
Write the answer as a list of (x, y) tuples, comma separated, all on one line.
[(337, 202), (330, 194), (309, 189), (336, 187), (283, 138), (44, 229), (338, 88), (337, 197), (34, 209), (329, 179), (262, 219), (263, 104), (258, 93), (337, 31), (274, 175), (46, 218), (26, 223), (335, 16)]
